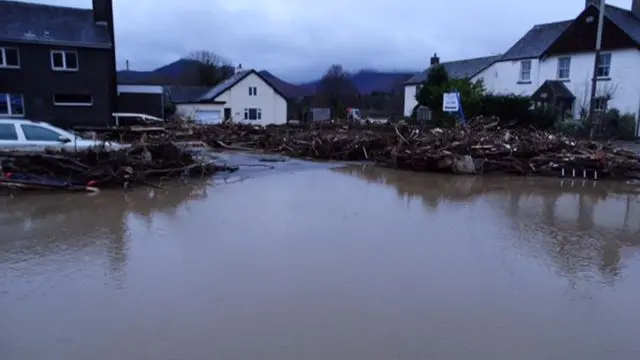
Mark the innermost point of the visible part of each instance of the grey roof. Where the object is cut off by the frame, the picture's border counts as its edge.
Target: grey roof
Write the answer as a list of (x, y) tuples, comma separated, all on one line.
[(225, 85), (38, 23), (184, 94), (457, 69), (536, 41), (233, 80), (625, 20)]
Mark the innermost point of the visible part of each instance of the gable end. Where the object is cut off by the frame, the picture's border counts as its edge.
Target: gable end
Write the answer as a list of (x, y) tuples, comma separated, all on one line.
[(580, 35), (228, 84)]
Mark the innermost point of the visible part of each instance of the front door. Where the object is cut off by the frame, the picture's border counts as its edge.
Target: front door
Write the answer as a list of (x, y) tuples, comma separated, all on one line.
[(227, 113)]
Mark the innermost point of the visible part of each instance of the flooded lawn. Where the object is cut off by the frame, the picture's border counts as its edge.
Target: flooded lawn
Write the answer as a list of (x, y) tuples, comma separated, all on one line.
[(342, 263)]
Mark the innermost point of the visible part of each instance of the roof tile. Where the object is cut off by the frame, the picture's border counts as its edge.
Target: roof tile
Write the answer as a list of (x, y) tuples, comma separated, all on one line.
[(457, 69), (39, 23)]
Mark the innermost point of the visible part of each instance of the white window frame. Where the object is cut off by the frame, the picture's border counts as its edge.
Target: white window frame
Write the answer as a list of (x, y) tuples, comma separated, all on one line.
[(566, 67), (56, 103), (7, 98), (247, 112), (253, 91), (605, 65), (3, 58), (64, 60), (521, 77)]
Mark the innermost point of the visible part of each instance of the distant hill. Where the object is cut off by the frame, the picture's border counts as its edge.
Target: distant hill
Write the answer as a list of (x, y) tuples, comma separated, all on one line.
[(184, 72), (368, 81), (289, 90), (180, 72)]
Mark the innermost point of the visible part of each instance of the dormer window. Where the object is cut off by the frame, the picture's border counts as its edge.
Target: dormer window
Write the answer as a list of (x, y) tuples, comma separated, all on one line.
[(64, 60)]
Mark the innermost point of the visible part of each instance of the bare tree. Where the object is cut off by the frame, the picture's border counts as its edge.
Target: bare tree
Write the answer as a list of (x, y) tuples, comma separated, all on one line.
[(212, 68), (336, 90), (605, 91)]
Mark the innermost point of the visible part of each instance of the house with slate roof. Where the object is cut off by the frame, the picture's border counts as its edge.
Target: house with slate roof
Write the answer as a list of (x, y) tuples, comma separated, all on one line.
[(57, 64), (245, 97), (554, 62), (469, 68)]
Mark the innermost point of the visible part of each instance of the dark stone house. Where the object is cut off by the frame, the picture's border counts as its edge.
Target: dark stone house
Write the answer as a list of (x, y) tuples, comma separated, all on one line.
[(57, 64)]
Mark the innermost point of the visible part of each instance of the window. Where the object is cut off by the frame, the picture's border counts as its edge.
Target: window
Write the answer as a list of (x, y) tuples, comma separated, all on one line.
[(252, 114), (9, 58), (38, 133), (72, 100), (11, 105), (600, 104), (64, 60), (604, 65), (253, 91), (8, 132), (525, 70), (564, 68)]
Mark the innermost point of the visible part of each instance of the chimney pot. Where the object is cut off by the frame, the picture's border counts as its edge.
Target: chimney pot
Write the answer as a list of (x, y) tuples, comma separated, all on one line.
[(635, 8), (102, 11), (435, 60)]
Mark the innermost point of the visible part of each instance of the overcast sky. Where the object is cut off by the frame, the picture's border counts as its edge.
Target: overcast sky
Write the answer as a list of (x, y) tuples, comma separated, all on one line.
[(298, 39)]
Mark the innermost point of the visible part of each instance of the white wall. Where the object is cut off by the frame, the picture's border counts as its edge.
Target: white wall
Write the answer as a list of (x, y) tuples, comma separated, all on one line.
[(502, 77), (409, 99), (273, 106)]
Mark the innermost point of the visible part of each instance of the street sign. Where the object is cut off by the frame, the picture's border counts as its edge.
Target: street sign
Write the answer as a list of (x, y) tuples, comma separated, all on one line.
[(450, 102)]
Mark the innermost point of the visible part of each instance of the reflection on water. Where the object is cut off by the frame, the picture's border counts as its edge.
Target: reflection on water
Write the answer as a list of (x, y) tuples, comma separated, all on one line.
[(70, 227), (576, 224), (350, 263)]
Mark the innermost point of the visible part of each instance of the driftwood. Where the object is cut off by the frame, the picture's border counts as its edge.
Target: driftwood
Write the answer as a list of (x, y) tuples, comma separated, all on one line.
[(93, 169), (482, 147)]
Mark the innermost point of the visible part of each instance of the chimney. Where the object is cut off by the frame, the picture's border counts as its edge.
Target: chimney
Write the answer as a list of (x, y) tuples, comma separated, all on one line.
[(635, 8), (103, 11), (435, 60)]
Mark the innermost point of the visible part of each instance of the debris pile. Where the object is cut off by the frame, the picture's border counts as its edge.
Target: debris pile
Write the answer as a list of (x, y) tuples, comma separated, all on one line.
[(90, 170), (481, 147)]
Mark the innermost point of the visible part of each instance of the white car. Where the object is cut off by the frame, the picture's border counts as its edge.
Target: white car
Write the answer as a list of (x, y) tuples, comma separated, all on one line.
[(37, 136)]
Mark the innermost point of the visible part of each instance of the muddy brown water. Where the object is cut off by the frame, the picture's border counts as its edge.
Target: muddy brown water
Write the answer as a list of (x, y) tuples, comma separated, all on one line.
[(349, 263)]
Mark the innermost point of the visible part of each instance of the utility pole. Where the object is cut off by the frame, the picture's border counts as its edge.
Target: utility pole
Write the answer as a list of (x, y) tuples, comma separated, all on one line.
[(596, 63)]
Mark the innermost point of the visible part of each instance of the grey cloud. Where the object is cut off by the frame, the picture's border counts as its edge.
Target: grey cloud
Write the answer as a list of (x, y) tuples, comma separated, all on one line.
[(299, 39)]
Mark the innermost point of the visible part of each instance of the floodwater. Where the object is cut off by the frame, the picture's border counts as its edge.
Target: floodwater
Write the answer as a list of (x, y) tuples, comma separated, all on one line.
[(325, 263)]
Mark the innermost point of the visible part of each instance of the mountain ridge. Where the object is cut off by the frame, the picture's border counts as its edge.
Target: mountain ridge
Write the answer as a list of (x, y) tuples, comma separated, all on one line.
[(184, 72)]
